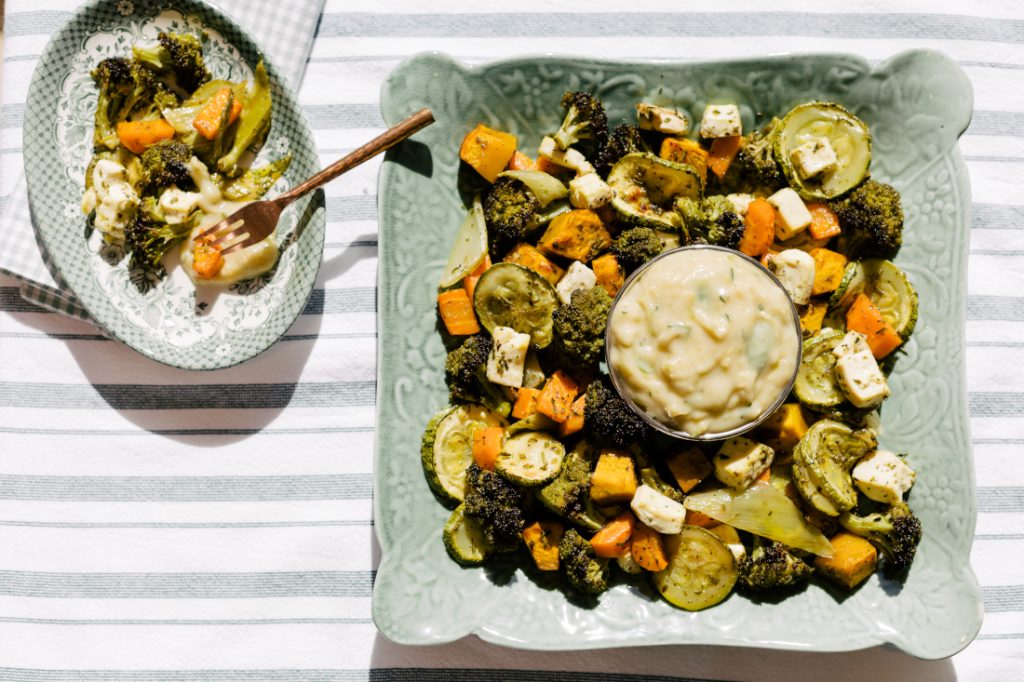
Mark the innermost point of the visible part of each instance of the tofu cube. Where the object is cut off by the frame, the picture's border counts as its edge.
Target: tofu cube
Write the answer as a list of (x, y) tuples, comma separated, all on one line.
[(853, 560), (570, 158), (721, 120), (814, 157), (589, 191), (668, 121), (853, 342), (507, 360), (740, 202), (614, 478), (740, 461), (792, 216), (861, 380), (883, 476), (795, 270), (577, 277), (658, 511)]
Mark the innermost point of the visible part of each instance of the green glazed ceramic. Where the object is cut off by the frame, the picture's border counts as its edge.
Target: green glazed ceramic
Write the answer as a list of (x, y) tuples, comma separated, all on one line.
[(169, 321), (917, 104)]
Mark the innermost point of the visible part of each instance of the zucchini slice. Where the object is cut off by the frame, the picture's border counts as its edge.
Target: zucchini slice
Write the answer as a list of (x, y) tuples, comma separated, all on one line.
[(509, 295), (701, 570), (886, 285), (848, 135), (465, 542), (822, 461), (816, 386), (646, 187), (530, 458), (447, 448)]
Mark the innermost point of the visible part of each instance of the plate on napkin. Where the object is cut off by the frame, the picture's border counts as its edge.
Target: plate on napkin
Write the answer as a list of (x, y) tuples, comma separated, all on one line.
[(917, 104), (168, 320)]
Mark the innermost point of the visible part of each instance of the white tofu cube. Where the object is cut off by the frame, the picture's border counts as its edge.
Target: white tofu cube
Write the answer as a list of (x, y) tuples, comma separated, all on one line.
[(658, 511), (721, 120), (570, 158), (853, 342), (589, 191), (740, 202), (814, 157), (883, 476), (508, 357), (795, 270), (740, 461), (578, 276), (668, 121), (792, 216), (861, 380)]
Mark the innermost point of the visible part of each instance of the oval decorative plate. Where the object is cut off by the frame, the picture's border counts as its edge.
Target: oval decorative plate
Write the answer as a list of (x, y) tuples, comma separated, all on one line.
[(169, 320), (917, 104)]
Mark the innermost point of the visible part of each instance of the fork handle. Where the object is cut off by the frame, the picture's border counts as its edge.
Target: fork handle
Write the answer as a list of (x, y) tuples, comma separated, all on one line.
[(382, 142)]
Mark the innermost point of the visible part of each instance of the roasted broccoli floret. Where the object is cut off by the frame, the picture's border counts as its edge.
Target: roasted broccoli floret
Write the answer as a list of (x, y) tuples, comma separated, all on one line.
[(165, 164), (713, 220), (497, 506), (636, 246), (465, 373), (609, 420), (149, 237), (585, 124), (177, 53), (510, 209), (871, 217), (121, 86), (623, 139), (770, 566), (579, 328), (568, 494), (756, 162), (897, 533), (585, 571)]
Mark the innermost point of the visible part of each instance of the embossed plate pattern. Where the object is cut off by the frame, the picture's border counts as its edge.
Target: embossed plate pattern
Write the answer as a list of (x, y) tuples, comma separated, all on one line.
[(166, 320), (917, 105)]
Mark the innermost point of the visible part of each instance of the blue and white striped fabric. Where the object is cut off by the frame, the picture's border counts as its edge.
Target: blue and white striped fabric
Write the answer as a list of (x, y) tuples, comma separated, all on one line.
[(160, 524)]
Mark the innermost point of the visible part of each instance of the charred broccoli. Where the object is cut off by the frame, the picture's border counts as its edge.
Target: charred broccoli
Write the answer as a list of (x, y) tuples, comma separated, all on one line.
[(497, 506), (465, 373), (177, 53), (636, 246), (585, 124), (510, 209), (871, 217), (122, 87), (623, 139), (609, 420), (755, 161), (896, 532), (149, 237), (568, 494), (713, 220), (165, 164), (585, 571), (579, 328), (771, 566)]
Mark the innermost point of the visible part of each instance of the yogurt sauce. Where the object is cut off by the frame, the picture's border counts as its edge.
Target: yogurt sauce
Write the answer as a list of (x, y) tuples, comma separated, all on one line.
[(703, 341)]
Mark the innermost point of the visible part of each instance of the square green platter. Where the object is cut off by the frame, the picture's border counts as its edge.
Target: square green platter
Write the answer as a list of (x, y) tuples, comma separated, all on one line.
[(917, 105)]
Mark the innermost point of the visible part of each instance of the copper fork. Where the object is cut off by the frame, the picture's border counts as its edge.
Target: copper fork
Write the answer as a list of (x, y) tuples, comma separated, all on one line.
[(256, 221)]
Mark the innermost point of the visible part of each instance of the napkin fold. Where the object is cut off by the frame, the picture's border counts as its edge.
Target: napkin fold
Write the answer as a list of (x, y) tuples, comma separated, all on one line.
[(283, 30)]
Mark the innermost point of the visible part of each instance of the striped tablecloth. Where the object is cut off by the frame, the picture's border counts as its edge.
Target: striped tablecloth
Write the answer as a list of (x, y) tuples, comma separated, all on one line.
[(160, 524)]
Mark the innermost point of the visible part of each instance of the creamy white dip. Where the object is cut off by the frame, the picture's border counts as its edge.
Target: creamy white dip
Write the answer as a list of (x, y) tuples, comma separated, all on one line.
[(703, 341)]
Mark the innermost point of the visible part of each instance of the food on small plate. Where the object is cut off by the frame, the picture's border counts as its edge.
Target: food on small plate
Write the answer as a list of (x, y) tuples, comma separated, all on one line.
[(762, 348), (172, 155)]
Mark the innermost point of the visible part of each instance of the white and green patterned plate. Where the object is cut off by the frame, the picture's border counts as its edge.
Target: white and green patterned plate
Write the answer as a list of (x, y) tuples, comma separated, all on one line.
[(168, 321), (917, 104)]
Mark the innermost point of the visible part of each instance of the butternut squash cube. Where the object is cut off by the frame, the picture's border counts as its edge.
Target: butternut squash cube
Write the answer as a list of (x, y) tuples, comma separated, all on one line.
[(487, 150), (542, 538), (578, 235), (689, 468), (614, 478), (609, 273), (812, 316), (828, 270), (682, 150), (785, 428), (529, 257), (854, 560), (696, 518)]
